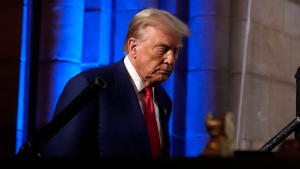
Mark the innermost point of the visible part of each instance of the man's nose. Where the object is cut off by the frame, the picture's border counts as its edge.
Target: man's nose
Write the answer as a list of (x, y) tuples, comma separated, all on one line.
[(171, 57)]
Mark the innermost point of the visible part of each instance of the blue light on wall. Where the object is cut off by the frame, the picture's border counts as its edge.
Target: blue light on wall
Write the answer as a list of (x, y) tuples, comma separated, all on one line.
[(21, 118)]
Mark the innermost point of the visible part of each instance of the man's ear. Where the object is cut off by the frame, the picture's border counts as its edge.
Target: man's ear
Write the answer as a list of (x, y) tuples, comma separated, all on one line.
[(132, 44)]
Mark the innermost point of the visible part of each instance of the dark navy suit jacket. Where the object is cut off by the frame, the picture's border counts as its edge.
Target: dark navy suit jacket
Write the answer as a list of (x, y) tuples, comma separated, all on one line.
[(110, 125)]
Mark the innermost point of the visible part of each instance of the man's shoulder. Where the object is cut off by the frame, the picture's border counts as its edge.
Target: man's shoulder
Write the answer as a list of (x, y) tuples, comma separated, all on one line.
[(102, 68), (107, 72), (100, 71)]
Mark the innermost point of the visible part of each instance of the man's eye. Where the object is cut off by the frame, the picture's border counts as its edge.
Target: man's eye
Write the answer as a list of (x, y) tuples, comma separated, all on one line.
[(162, 50)]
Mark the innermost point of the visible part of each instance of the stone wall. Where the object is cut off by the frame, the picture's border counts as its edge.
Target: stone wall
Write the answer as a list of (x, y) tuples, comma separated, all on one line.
[(264, 57)]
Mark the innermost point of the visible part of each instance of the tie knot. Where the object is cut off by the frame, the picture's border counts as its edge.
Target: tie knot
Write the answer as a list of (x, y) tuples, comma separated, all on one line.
[(148, 91)]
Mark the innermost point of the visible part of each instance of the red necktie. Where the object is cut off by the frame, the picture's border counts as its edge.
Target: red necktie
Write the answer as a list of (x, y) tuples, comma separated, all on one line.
[(151, 122)]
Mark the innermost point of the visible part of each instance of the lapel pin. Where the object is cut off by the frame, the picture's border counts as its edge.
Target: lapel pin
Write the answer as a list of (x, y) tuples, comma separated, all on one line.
[(165, 111)]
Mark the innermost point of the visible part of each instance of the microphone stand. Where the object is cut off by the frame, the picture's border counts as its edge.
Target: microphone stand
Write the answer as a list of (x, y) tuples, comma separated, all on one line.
[(31, 147), (291, 127)]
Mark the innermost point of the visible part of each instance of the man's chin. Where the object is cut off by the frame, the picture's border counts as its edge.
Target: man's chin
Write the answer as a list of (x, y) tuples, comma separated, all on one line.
[(159, 79), (163, 78)]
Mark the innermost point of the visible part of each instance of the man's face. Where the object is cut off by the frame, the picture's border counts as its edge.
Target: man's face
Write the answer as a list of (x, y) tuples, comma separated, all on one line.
[(155, 54)]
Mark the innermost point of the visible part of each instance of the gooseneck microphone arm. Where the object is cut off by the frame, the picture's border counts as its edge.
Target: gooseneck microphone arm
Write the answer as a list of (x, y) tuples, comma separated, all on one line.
[(31, 147), (293, 126), (283, 134)]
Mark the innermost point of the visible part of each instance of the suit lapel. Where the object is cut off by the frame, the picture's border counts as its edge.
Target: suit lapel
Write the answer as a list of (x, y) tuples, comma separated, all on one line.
[(165, 108), (128, 101)]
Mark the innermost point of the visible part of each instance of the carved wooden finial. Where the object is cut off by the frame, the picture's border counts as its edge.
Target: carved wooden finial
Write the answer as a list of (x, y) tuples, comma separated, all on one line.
[(221, 133)]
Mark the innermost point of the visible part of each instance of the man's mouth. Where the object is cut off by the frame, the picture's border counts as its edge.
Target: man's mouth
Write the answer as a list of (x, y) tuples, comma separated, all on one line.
[(163, 72)]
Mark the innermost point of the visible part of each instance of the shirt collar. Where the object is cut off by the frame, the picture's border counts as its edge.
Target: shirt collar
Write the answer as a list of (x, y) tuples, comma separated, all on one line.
[(134, 75)]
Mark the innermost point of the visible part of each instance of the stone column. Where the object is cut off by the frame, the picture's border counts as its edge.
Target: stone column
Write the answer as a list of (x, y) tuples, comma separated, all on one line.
[(60, 52), (207, 74)]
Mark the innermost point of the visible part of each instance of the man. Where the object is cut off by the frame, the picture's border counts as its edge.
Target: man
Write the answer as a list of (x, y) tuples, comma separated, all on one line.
[(113, 124)]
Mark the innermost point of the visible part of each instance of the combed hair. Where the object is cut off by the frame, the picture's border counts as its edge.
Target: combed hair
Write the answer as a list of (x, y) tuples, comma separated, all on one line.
[(154, 17)]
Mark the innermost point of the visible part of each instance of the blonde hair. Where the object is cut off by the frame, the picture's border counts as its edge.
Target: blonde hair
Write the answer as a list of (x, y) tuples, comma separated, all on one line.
[(154, 17)]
